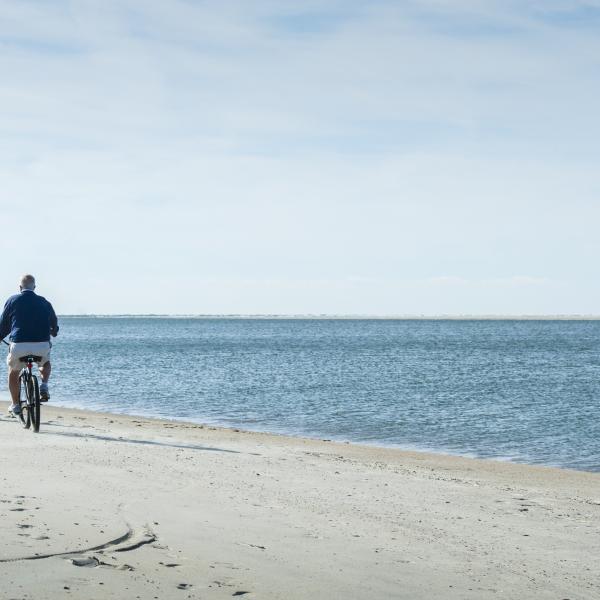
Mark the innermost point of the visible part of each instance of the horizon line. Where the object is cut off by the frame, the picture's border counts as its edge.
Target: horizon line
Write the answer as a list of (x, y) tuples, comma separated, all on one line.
[(349, 316)]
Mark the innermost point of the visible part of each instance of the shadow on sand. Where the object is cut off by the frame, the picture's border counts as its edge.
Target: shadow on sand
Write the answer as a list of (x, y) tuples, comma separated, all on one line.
[(107, 438), (124, 440)]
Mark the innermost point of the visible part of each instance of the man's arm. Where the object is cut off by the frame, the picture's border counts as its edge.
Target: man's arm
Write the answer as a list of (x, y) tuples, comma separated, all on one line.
[(5, 324), (53, 321)]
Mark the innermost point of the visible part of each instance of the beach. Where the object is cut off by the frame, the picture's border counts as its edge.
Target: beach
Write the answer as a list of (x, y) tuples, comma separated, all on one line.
[(112, 506)]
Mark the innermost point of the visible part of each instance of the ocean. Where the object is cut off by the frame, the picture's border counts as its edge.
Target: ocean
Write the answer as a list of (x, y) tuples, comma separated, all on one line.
[(519, 390)]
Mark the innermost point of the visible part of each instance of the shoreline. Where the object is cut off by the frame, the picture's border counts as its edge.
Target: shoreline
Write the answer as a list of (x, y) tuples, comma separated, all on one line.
[(389, 452), (377, 446), (151, 507)]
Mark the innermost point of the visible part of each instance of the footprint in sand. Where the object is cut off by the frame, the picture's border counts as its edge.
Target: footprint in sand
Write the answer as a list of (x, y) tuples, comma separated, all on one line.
[(86, 561)]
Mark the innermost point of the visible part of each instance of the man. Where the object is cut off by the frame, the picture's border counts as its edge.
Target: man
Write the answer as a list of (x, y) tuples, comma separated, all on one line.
[(30, 320)]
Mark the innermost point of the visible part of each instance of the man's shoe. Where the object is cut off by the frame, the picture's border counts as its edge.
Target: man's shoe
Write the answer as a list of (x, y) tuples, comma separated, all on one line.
[(14, 410), (44, 392)]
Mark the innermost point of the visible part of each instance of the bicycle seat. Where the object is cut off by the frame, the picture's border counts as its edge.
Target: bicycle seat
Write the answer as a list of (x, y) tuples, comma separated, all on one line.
[(30, 357)]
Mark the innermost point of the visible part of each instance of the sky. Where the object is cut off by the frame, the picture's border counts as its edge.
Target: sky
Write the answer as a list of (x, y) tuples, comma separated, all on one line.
[(416, 157)]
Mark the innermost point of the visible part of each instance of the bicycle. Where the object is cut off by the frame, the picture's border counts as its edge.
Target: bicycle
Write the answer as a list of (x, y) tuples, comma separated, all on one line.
[(30, 414)]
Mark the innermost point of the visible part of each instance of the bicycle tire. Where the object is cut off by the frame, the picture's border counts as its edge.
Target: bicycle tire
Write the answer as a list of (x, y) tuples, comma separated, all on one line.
[(36, 407), (24, 415)]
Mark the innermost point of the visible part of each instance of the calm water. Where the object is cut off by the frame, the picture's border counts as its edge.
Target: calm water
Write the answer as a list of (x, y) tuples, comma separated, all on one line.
[(527, 391)]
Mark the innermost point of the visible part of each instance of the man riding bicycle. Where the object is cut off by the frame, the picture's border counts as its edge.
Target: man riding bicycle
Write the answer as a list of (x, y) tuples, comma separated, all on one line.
[(30, 320)]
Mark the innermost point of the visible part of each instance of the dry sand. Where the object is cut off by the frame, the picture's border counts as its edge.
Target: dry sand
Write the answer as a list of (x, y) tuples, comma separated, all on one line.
[(106, 506)]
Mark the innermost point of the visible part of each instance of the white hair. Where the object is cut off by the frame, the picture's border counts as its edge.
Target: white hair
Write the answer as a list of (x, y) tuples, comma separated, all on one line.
[(27, 282)]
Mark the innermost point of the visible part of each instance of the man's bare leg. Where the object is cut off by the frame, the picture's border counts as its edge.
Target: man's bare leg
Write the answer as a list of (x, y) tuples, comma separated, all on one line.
[(45, 371), (13, 386)]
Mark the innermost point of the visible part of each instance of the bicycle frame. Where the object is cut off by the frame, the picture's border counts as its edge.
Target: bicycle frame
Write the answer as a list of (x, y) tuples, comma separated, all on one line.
[(28, 382), (26, 370)]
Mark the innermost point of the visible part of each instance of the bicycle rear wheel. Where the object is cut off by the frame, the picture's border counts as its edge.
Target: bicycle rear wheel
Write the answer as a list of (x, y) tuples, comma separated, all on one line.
[(24, 415), (35, 406)]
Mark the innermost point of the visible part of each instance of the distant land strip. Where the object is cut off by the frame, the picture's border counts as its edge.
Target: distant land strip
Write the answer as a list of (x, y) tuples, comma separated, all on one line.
[(325, 316)]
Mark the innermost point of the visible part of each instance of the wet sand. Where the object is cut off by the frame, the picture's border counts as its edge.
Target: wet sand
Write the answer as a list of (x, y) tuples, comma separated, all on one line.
[(111, 506)]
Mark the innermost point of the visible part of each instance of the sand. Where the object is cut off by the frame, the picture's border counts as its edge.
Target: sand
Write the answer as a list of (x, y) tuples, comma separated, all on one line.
[(107, 506)]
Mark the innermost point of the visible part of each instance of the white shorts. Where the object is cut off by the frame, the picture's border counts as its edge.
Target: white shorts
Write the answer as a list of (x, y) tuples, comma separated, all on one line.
[(19, 349)]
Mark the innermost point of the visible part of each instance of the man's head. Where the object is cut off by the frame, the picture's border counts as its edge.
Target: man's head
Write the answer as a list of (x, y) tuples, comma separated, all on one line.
[(27, 283)]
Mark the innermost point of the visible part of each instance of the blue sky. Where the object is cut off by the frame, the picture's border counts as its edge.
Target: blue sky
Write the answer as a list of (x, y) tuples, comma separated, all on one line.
[(420, 157)]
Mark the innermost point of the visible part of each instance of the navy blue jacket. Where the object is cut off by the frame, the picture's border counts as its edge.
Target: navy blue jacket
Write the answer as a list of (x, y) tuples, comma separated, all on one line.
[(28, 318)]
